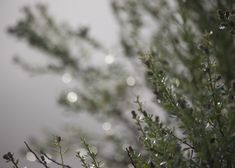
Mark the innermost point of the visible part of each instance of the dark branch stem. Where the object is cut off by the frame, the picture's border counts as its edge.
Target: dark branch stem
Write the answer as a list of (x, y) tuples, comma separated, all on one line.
[(39, 160), (131, 159), (61, 156), (15, 164), (54, 161), (184, 142)]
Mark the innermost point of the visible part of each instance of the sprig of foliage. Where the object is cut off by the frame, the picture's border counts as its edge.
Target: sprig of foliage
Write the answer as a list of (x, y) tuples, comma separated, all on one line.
[(227, 18), (44, 156), (189, 68), (160, 142), (92, 155)]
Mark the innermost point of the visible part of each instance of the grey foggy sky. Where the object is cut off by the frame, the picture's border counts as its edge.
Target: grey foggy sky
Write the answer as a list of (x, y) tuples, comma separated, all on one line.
[(28, 104)]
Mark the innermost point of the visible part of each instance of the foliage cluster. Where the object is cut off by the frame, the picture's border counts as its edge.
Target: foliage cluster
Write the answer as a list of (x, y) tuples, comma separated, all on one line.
[(187, 50)]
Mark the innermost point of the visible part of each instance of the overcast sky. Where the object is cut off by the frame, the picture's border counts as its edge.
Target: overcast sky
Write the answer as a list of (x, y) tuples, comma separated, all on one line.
[(28, 104)]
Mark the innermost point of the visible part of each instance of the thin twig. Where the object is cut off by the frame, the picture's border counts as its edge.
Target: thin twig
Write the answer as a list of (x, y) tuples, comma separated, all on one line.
[(61, 156), (131, 159), (184, 142), (39, 160), (54, 161), (15, 164), (82, 159)]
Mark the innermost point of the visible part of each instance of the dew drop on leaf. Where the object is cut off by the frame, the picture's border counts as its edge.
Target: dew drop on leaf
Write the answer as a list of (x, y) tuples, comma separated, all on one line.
[(163, 163), (222, 27)]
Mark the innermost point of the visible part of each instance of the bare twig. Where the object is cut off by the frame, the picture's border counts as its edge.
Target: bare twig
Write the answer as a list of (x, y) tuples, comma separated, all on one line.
[(131, 159), (10, 158), (15, 163), (54, 161), (39, 160)]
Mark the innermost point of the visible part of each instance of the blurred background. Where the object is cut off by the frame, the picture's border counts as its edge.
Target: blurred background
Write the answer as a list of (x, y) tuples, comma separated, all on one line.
[(74, 68), (28, 106)]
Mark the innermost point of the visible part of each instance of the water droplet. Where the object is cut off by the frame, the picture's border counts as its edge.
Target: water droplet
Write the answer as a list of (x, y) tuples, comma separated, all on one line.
[(222, 27), (130, 81), (67, 78), (30, 157), (163, 163), (208, 126), (92, 166), (109, 59), (164, 79), (141, 117), (72, 97), (177, 82), (106, 126)]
